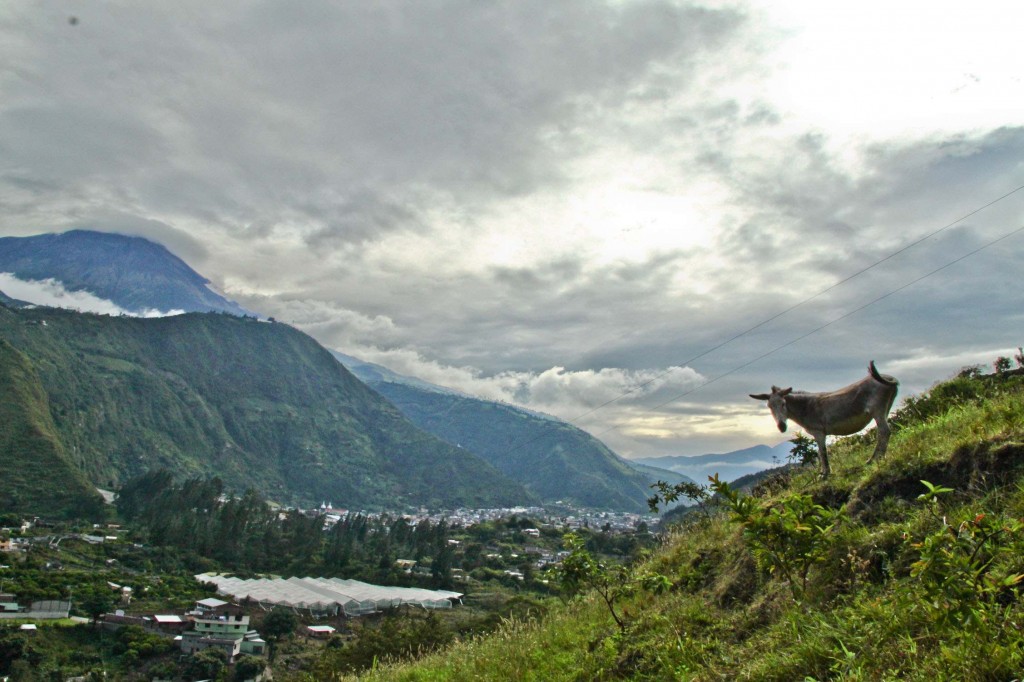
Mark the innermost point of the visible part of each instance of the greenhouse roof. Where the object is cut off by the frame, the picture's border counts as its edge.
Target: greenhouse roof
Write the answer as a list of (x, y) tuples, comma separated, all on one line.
[(352, 597)]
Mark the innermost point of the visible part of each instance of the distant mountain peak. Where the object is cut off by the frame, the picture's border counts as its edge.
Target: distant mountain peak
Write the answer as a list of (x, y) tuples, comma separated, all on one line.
[(134, 273)]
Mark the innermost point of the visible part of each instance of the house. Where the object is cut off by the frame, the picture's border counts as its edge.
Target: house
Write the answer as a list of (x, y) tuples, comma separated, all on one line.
[(168, 623), (211, 605), (253, 644), (220, 625), (320, 631)]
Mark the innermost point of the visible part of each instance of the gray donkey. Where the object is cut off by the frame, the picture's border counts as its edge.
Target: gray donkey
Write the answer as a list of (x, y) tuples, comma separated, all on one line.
[(837, 413)]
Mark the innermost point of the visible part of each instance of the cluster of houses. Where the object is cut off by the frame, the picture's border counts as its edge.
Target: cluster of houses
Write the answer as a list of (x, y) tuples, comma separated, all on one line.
[(212, 624)]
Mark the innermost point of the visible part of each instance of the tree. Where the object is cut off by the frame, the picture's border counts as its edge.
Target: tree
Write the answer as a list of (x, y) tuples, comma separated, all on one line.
[(668, 494), (1002, 364), (23, 671), (248, 667), (206, 664), (96, 602), (804, 450), (580, 572), (277, 625), (396, 636)]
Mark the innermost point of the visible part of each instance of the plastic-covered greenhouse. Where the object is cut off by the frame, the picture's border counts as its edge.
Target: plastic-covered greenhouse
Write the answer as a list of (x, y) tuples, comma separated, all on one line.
[(329, 596)]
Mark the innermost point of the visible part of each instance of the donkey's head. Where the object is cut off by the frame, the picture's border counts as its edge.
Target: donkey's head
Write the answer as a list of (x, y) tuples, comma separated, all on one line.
[(777, 404)]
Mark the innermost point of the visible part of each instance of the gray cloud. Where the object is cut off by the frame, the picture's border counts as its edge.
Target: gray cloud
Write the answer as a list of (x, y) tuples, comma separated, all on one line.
[(525, 199)]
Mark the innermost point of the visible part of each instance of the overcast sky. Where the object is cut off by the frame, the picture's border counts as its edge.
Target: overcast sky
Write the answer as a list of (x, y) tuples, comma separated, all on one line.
[(558, 204)]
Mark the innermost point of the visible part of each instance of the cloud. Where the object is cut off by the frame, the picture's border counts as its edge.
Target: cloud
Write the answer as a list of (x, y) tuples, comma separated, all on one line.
[(550, 202), (50, 292)]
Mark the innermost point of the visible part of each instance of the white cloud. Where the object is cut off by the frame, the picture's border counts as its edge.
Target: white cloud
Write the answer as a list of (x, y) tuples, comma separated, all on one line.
[(51, 293)]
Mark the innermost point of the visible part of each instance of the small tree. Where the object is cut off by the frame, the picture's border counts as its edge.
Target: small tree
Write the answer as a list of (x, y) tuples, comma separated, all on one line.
[(1019, 357), (96, 602), (667, 494), (787, 537), (804, 450), (249, 667), (580, 571), (969, 372), (277, 625), (1001, 364), (206, 664), (962, 573)]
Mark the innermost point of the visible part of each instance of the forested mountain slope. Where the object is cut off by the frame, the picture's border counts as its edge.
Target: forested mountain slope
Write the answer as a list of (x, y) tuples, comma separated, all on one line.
[(257, 403), (553, 459), (35, 473)]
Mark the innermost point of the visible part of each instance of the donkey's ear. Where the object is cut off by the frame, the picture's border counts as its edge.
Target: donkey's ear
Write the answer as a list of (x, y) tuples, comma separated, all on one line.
[(760, 396), (786, 391)]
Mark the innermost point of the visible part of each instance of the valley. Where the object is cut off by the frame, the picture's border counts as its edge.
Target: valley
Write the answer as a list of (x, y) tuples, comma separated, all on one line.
[(236, 454)]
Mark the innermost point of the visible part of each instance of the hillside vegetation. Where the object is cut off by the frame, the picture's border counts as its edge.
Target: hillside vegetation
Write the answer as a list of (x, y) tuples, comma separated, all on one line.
[(45, 481), (910, 568), (258, 404), (553, 459)]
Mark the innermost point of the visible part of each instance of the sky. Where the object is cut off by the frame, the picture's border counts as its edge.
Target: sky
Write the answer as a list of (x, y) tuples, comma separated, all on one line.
[(627, 214)]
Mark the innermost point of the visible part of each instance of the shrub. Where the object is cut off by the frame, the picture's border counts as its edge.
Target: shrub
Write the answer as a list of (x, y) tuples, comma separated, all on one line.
[(786, 538), (959, 568)]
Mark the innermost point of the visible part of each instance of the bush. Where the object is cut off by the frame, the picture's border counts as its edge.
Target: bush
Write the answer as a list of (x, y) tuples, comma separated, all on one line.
[(786, 538)]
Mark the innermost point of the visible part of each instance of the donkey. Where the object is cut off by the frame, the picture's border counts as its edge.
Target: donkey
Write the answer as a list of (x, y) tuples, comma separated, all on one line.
[(837, 413)]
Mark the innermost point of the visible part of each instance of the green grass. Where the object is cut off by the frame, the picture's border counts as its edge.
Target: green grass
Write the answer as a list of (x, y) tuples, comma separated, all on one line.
[(865, 615)]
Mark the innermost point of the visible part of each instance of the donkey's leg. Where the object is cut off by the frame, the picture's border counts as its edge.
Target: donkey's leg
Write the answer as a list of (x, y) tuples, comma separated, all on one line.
[(822, 452), (882, 440)]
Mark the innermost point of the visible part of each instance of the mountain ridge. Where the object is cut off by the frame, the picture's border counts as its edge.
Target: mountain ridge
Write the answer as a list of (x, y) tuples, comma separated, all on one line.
[(130, 394), (730, 465), (553, 458), (137, 274)]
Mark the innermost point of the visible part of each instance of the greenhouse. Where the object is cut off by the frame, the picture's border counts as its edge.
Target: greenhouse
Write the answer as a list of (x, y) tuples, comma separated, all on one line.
[(328, 596)]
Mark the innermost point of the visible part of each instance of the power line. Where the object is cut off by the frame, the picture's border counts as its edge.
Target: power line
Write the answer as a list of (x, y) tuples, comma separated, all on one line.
[(790, 309), (797, 305), (830, 323)]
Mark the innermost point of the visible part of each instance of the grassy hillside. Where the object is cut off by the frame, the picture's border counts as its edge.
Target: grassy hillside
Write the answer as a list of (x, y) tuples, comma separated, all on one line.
[(553, 459), (35, 473), (870, 575), (255, 403)]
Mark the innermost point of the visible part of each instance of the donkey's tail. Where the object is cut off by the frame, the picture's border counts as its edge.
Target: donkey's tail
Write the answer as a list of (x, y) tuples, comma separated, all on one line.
[(884, 378)]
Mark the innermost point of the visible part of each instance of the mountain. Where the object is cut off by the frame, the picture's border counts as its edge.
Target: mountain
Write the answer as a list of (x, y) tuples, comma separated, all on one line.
[(729, 466), (655, 474), (257, 403), (554, 460), (551, 458), (36, 476), (134, 273), (11, 302)]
